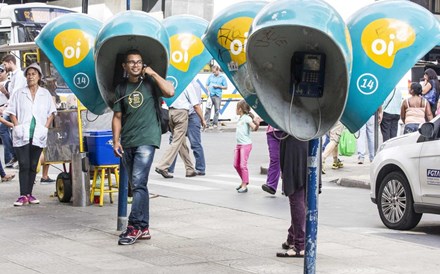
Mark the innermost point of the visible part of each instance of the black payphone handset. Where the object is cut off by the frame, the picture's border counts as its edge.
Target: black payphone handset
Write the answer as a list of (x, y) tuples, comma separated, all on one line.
[(307, 74)]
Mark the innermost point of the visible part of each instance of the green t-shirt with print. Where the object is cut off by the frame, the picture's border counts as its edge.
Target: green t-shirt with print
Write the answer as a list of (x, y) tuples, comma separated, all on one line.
[(140, 125)]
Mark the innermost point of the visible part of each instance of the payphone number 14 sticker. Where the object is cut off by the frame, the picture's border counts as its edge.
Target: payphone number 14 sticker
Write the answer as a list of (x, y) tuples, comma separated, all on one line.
[(367, 83)]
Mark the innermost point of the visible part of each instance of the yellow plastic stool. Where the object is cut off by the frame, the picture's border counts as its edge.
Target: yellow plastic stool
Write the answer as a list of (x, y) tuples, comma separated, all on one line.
[(104, 169)]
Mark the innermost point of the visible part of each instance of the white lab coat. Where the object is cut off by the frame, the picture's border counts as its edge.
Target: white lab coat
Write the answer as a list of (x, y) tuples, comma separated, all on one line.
[(22, 107)]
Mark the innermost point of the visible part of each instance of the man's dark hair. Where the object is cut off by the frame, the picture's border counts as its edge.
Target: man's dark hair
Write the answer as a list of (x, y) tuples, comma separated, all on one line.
[(9, 58), (132, 52)]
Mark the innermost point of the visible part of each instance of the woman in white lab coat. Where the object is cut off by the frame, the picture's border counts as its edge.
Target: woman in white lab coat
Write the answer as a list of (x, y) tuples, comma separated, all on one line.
[(31, 110)]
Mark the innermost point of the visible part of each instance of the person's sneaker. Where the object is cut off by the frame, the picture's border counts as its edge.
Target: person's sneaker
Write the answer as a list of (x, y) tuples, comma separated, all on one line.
[(339, 163), (242, 190), (200, 173), (360, 161), (145, 235), (268, 189), (129, 236), (11, 163), (191, 174), (164, 173), (22, 200), (46, 181), (32, 200)]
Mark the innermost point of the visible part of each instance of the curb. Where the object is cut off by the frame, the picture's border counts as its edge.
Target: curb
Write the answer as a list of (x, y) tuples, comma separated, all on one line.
[(353, 183), (344, 182)]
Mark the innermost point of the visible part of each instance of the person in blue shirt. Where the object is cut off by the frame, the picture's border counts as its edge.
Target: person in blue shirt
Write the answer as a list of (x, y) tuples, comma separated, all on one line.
[(215, 84)]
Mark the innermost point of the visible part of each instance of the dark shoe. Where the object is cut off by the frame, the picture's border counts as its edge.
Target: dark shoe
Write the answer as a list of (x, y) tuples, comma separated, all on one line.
[(145, 234), (129, 236), (286, 245), (46, 181), (164, 173), (268, 189), (200, 173), (11, 163), (238, 187), (192, 174)]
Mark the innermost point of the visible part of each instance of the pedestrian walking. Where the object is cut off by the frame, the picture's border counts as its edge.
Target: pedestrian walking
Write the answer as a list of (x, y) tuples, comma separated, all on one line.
[(273, 136), (215, 84), (245, 124), (195, 124)]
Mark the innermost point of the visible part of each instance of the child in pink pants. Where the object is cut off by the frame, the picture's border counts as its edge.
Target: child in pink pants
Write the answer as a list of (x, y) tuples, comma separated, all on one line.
[(244, 143)]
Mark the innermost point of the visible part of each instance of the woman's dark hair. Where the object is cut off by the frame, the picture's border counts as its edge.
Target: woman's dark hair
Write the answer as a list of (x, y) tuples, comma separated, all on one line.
[(433, 78), (417, 88)]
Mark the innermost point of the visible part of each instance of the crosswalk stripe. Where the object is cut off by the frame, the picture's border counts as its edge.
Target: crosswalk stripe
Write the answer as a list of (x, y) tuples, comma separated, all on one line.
[(174, 184)]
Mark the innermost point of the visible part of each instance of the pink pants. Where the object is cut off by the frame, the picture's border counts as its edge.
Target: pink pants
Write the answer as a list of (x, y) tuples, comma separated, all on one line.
[(241, 156)]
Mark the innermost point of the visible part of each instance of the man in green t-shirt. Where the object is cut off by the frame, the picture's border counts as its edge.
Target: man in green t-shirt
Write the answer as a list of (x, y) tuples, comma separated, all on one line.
[(136, 135)]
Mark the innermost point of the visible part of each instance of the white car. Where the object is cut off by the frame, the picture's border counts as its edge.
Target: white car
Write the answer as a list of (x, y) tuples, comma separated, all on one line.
[(405, 177)]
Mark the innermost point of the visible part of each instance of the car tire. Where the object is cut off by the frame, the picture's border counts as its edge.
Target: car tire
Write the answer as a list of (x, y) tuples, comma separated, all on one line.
[(395, 203)]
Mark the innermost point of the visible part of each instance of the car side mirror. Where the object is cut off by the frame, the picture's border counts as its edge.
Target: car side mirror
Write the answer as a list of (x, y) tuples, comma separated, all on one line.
[(427, 130)]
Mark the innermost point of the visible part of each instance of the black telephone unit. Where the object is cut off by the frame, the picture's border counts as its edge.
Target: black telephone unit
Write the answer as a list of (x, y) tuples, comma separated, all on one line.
[(307, 74)]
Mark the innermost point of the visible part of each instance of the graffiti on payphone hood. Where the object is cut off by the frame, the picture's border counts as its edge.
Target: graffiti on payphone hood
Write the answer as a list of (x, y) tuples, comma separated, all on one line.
[(232, 36), (383, 38)]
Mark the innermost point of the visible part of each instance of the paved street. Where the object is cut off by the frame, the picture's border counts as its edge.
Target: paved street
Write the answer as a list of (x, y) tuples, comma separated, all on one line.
[(202, 225)]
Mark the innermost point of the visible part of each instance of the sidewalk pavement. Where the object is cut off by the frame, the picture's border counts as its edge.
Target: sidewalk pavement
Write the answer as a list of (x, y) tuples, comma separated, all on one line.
[(188, 237)]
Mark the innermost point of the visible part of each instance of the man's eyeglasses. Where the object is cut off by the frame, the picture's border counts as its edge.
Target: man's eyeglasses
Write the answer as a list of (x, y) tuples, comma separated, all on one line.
[(131, 63)]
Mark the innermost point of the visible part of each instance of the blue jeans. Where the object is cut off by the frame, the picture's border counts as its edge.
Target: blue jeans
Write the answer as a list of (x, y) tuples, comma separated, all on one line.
[(216, 102), (137, 161), (195, 140), (5, 135)]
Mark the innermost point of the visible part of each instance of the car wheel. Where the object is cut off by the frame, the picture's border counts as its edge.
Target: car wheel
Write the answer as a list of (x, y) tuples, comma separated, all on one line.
[(395, 203)]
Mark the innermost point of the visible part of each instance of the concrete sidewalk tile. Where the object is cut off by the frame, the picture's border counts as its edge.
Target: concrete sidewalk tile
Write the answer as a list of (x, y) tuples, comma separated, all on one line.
[(265, 265)]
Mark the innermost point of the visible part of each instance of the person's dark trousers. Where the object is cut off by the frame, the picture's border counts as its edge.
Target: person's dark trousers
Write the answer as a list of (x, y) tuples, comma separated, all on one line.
[(274, 170), (27, 156), (389, 125), (5, 135), (297, 228), (195, 139)]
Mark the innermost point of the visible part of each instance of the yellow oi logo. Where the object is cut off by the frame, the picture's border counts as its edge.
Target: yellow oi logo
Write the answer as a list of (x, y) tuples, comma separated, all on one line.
[(184, 47), (233, 37), (73, 45), (383, 38)]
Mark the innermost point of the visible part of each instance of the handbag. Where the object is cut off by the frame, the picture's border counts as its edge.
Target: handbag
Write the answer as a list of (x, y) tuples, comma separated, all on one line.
[(347, 143), (431, 95)]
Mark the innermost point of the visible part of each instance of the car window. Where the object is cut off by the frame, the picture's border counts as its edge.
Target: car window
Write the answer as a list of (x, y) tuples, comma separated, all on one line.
[(436, 135)]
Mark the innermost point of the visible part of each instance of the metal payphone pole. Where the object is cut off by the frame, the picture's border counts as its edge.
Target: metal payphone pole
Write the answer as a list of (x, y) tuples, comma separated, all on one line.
[(123, 187), (312, 190), (122, 198)]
